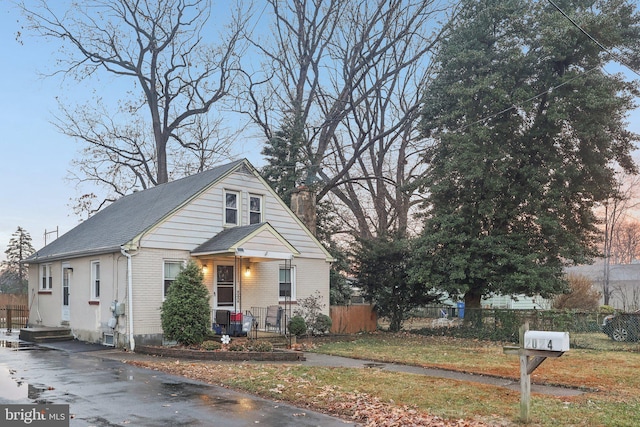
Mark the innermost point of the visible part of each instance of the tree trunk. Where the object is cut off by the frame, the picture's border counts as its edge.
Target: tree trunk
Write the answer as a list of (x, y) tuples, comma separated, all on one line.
[(472, 300)]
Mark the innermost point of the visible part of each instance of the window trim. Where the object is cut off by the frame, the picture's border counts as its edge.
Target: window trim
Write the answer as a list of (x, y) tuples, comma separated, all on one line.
[(164, 277), (293, 282), (224, 208), (95, 296), (44, 269), (260, 212)]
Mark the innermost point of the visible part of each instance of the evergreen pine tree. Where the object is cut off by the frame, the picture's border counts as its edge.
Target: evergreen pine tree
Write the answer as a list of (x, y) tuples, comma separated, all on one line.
[(14, 274), (528, 128), (283, 153)]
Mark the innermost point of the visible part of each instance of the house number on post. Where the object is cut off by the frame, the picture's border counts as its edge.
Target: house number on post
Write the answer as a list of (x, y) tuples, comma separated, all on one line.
[(535, 347)]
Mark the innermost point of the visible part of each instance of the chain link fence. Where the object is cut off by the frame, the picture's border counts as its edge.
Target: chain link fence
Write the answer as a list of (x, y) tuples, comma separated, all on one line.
[(590, 330)]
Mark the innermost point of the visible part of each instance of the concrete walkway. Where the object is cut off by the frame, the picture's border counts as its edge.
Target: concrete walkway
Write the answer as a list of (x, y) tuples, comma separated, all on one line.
[(315, 359)]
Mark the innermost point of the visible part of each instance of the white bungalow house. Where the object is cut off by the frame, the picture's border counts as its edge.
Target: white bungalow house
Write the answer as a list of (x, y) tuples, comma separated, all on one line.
[(106, 278)]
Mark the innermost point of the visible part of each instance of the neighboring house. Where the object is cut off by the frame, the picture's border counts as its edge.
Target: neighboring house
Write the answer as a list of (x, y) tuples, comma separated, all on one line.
[(516, 302), (510, 302), (624, 283), (106, 278)]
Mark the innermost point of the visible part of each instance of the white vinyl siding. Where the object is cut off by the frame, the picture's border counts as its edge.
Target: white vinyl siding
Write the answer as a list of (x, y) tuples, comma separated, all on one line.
[(202, 218)]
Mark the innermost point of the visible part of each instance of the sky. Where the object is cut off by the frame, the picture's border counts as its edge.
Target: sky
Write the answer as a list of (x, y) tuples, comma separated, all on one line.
[(34, 156)]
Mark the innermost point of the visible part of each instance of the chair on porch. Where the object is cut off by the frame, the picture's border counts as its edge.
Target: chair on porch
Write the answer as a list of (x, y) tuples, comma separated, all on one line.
[(273, 318), (222, 321)]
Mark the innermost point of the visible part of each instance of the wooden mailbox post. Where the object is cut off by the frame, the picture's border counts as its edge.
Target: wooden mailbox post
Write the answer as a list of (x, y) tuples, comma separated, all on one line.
[(535, 347)]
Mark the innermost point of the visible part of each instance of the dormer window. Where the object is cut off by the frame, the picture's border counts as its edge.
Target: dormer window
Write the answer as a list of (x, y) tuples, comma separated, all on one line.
[(231, 204)]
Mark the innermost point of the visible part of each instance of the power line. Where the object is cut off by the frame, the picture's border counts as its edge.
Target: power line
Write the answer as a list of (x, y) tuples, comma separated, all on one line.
[(614, 55), (600, 45), (519, 105)]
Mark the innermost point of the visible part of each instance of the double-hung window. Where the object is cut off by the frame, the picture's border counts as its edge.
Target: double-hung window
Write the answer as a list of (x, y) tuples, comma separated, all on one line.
[(46, 278), (255, 209), (95, 280), (171, 271), (287, 284), (231, 207)]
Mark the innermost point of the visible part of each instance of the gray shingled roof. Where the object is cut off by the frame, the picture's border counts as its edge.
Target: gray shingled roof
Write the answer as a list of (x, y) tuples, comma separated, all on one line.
[(128, 217), (224, 240)]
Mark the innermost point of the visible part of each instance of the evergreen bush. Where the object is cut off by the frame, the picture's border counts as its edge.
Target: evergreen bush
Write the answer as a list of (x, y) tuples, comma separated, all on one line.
[(211, 345), (297, 326), (323, 324), (185, 310), (262, 346), (237, 346)]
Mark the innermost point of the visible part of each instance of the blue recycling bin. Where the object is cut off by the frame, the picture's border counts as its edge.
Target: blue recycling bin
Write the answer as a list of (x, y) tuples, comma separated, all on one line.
[(461, 310)]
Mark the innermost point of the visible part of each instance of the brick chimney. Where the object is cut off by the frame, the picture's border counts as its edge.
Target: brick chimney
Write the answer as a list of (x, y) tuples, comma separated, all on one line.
[(303, 204)]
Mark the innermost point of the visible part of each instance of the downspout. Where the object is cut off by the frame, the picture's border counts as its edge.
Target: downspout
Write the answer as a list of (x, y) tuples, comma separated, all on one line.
[(132, 342)]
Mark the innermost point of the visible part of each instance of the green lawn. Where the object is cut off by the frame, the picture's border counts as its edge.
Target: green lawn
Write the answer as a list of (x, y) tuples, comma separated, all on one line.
[(610, 378)]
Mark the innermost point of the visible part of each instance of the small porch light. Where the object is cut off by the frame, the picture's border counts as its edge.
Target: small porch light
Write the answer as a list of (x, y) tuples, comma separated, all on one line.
[(247, 271), (205, 268)]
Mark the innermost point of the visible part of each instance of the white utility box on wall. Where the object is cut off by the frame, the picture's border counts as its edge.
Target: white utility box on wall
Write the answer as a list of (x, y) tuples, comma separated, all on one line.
[(545, 340)]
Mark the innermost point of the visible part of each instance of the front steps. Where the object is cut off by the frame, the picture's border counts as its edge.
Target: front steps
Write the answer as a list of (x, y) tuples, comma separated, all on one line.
[(45, 334)]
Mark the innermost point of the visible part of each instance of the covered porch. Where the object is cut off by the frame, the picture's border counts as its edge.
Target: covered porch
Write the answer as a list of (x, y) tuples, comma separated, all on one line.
[(249, 272)]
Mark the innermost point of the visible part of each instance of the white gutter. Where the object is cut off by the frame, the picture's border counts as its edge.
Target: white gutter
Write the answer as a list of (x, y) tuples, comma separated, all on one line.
[(132, 342)]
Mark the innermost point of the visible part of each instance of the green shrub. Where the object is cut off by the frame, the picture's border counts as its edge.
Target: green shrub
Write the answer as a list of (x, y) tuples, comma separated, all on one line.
[(262, 346), (607, 309), (211, 345), (185, 311), (297, 326), (237, 346), (323, 324)]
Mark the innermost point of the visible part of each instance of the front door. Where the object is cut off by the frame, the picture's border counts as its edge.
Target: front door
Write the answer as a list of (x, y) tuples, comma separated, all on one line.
[(66, 288), (224, 294)]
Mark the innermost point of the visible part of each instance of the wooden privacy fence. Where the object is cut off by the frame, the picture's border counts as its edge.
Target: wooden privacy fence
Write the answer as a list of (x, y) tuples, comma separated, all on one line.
[(14, 299), (13, 316), (351, 319)]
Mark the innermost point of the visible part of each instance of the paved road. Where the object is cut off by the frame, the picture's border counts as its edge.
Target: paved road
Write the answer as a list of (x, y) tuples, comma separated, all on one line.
[(104, 392)]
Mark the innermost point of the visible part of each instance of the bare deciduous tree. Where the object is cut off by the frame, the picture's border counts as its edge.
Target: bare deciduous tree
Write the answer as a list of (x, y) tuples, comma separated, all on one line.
[(626, 243), (349, 72), (176, 77), (614, 211)]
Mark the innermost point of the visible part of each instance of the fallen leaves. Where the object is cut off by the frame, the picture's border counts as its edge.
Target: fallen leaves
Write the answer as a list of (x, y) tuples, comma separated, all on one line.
[(359, 407)]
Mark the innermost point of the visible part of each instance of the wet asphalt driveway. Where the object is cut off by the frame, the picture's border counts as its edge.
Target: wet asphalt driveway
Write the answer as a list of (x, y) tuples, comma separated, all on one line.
[(104, 392)]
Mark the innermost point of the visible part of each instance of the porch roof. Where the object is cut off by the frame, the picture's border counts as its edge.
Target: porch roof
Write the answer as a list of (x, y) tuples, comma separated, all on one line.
[(254, 241)]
